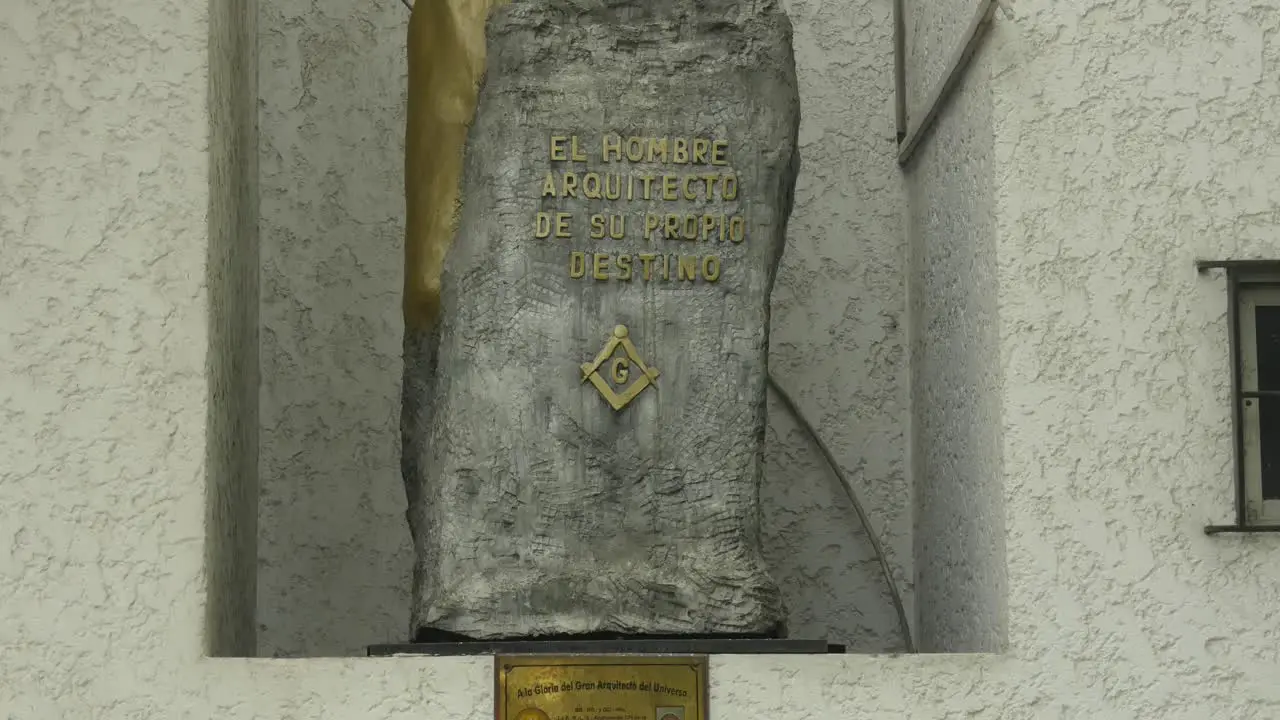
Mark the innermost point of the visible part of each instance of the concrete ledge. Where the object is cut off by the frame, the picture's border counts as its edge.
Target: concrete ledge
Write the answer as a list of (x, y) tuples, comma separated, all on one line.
[(783, 687)]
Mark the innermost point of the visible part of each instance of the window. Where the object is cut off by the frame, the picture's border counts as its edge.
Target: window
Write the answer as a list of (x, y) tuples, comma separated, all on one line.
[(1253, 289), (1260, 395)]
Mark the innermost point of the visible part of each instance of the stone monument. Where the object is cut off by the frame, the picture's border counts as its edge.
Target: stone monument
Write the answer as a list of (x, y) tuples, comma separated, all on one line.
[(587, 314)]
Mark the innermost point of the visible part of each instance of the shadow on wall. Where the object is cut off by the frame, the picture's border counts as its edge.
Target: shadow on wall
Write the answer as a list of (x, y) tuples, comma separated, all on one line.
[(334, 554), (231, 450), (831, 580)]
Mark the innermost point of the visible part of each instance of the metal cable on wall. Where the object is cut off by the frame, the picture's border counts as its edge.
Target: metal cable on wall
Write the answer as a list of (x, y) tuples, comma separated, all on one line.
[(872, 536)]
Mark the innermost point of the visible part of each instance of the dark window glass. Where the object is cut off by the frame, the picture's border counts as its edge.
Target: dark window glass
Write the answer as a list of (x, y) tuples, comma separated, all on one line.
[(1269, 437), (1267, 324)]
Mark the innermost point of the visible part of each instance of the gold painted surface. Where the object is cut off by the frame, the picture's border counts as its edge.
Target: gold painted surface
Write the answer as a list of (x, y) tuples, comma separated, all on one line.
[(446, 62), (619, 370), (598, 687)]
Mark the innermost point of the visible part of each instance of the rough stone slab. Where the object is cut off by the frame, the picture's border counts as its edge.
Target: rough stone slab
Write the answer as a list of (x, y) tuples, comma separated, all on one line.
[(537, 508)]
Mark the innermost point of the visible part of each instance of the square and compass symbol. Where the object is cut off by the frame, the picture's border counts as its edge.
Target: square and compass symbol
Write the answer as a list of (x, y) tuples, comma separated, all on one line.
[(619, 376)]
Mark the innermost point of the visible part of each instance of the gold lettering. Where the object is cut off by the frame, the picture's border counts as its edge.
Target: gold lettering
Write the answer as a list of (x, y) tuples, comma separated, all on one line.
[(591, 185), (647, 180), (600, 267), (624, 267), (737, 228), (669, 187), (711, 268), (549, 186), (666, 267), (710, 179), (672, 229), (562, 225), (635, 149), (708, 224), (570, 184), (729, 187), (680, 151), (575, 152), (690, 228), (688, 268), (617, 226), (616, 191), (646, 259), (577, 264), (557, 147), (619, 370), (690, 194), (719, 151), (700, 147), (658, 148), (651, 223), (597, 227), (611, 144), (542, 225)]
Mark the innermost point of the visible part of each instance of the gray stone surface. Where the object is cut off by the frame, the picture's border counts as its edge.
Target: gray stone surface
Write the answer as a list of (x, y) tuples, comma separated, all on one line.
[(537, 508)]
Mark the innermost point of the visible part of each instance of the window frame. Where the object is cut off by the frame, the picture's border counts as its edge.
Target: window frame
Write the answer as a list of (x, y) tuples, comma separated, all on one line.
[(1252, 294), (1248, 281)]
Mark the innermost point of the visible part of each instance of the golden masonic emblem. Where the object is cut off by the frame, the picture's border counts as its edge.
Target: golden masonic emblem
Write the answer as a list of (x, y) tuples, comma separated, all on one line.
[(619, 369)]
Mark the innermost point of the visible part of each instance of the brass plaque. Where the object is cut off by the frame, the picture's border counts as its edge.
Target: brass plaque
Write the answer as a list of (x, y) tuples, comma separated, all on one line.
[(601, 687)]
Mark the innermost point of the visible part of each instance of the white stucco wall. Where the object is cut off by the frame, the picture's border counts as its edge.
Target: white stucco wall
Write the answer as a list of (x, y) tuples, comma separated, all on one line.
[(334, 547), (955, 378), (1128, 138), (837, 338), (1131, 138), (104, 328), (934, 29)]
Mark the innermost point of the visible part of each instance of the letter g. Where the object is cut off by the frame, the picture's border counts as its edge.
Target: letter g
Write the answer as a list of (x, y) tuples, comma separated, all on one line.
[(619, 370)]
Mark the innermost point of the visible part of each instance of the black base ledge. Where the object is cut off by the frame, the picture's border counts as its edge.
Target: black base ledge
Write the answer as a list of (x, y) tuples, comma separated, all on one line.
[(1240, 529), (1258, 264), (618, 646)]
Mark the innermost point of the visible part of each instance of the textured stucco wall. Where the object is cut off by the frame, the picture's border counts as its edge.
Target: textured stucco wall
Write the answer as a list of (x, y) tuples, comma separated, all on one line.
[(1132, 137), (837, 342), (1129, 139), (232, 276), (334, 547), (955, 383), (334, 554), (104, 317), (934, 29), (1118, 157)]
